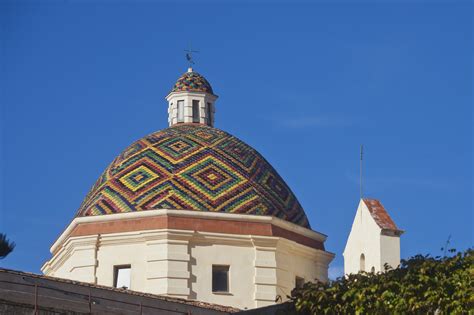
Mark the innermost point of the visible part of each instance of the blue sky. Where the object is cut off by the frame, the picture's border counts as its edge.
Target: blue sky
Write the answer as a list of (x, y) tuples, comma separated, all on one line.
[(305, 84)]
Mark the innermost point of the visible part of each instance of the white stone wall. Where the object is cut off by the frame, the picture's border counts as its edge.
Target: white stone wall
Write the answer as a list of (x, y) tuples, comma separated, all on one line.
[(179, 263), (389, 250), (238, 254), (187, 98), (77, 260), (366, 238)]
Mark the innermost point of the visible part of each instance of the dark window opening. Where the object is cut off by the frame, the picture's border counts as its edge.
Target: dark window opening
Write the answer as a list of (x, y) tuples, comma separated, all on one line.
[(180, 111), (122, 276), (362, 262), (220, 278), (209, 113), (196, 111), (299, 282)]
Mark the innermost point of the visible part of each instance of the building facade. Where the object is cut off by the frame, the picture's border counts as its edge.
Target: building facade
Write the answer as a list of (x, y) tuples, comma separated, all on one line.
[(192, 212), (374, 239)]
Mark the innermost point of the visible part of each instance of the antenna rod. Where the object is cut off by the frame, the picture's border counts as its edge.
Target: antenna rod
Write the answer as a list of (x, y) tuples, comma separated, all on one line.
[(447, 244), (361, 158)]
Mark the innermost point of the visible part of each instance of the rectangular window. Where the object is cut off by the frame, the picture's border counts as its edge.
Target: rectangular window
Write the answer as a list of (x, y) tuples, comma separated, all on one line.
[(299, 282), (209, 113), (196, 111), (220, 278), (122, 276), (181, 111)]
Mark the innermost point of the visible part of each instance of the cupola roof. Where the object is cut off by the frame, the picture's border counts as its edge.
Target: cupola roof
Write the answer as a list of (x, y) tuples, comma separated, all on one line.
[(192, 81)]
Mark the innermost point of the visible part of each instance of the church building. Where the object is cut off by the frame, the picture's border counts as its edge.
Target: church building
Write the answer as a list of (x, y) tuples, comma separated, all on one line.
[(195, 213)]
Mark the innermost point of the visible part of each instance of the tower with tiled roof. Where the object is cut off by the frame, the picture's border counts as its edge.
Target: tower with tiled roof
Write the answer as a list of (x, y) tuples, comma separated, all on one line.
[(192, 212), (374, 239)]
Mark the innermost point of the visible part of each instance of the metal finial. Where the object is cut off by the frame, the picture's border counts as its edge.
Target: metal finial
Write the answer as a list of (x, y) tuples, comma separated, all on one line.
[(189, 55), (361, 158)]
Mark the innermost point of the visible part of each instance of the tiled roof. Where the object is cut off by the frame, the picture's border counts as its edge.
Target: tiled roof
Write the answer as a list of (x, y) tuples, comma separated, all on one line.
[(192, 167), (72, 293), (380, 215), (192, 82)]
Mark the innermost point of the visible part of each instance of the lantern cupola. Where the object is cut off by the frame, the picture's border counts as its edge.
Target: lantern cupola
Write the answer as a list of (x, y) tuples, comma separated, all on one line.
[(191, 100)]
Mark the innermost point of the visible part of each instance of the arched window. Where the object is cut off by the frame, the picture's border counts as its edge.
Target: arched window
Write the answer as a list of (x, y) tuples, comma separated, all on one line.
[(372, 269), (362, 262)]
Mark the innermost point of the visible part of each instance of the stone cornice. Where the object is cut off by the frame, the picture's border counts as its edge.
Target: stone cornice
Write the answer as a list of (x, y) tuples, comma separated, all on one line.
[(150, 219)]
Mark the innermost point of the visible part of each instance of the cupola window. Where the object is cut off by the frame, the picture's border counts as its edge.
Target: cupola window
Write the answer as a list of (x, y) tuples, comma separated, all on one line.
[(195, 111), (220, 279), (209, 112), (181, 111)]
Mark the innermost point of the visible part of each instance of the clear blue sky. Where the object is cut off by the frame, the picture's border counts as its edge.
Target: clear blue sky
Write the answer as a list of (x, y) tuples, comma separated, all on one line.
[(305, 84)]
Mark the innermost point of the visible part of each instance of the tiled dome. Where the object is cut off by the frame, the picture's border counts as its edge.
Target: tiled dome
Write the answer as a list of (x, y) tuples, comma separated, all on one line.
[(192, 167), (192, 82)]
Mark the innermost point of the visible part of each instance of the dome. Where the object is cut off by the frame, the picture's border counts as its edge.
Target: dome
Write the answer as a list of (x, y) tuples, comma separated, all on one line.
[(192, 82), (192, 167)]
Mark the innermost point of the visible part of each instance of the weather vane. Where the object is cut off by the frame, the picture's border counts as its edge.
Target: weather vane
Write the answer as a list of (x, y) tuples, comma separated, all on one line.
[(189, 55)]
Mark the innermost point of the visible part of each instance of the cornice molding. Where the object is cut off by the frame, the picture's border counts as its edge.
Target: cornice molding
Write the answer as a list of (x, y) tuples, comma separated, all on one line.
[(288, 226)]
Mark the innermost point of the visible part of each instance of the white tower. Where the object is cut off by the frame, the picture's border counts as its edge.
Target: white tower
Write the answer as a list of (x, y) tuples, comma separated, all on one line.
[(191, 100), (374, 240)]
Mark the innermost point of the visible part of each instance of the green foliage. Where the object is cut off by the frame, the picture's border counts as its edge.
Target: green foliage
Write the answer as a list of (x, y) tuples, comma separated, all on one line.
[(420, 285), (5, 246)]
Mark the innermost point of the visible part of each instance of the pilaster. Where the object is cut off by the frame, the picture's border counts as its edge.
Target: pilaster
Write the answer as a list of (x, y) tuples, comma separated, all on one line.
[(75, 260), (168, 264), (266, 278)]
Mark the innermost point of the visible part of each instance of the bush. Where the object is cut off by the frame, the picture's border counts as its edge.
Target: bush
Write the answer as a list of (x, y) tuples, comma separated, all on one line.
[(420, 285)]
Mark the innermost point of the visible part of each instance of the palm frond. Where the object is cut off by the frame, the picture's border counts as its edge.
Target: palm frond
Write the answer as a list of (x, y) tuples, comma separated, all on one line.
[(6, 246)]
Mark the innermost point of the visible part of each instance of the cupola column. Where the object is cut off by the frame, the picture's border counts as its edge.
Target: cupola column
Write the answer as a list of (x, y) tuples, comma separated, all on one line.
[(191, 101)]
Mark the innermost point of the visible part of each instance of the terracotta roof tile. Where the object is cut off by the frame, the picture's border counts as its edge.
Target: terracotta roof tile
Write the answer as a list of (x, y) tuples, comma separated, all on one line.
[(380, 215), (57, 281)]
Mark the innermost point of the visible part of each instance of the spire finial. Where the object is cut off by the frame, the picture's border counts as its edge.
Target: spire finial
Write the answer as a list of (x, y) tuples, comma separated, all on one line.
[(189, 56), (361, 158)]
